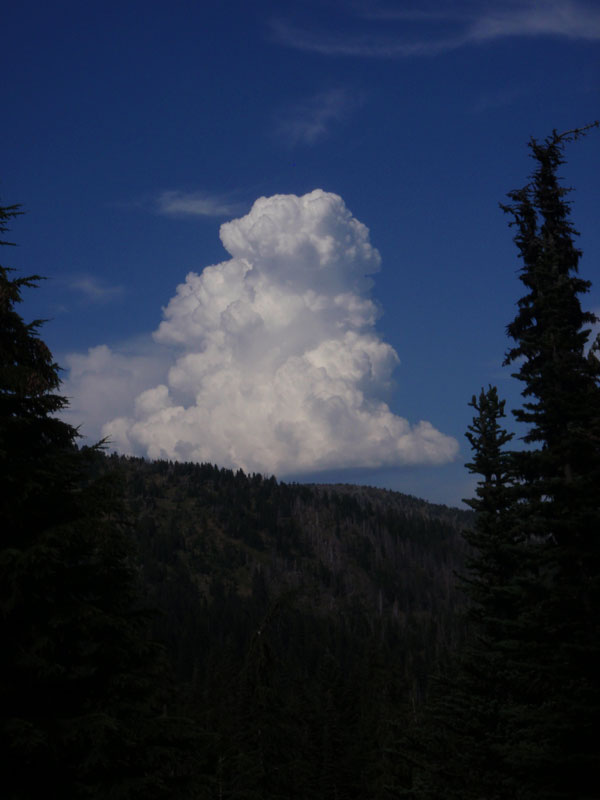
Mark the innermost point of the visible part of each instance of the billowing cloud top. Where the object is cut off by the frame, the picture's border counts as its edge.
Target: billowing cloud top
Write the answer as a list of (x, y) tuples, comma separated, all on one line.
[(275, 362)]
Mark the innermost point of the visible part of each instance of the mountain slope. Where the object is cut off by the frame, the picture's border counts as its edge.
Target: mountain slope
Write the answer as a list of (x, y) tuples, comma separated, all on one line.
[(302, 621)]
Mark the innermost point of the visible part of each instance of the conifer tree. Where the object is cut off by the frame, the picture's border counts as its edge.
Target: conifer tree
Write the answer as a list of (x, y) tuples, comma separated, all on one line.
[(457, 747), (516, 713), (81, 686), (552, 719), (492, 538), (479, 685)]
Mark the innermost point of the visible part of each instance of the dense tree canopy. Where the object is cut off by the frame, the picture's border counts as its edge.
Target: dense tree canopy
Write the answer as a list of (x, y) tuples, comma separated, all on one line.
[(81, 686)]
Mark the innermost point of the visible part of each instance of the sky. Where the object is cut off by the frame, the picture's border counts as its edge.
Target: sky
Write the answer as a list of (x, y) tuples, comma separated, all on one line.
[(271, 231)]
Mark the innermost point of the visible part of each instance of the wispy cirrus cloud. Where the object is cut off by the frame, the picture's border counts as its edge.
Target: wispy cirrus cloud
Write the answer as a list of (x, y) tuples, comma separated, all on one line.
[(192, 204), (94, 290), (182, 203), (373, 45), (434, 29), (501, 98), (313, 119), (176, 203), (564, 18)]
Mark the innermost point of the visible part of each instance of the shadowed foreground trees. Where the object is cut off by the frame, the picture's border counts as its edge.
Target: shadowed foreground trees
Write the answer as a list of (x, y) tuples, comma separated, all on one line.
[(552, 719), (518, 715), (82, 689), (456, 748)]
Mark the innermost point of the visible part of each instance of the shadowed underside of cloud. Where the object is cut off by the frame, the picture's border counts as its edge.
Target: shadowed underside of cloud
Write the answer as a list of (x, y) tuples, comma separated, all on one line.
[(438, 29), (270, 360)]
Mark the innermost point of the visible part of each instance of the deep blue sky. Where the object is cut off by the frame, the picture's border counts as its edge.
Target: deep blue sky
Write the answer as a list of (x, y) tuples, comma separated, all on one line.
[(131, 131)]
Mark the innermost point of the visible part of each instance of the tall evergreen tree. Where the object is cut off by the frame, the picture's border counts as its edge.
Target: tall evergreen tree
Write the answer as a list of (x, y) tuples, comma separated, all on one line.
[(516, 714), (81, 686), (492, 539), (552, 722), (480, 682), (457, 747)]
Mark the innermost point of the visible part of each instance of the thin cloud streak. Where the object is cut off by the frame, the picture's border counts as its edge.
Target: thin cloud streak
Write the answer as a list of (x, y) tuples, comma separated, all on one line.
[(559, 18), (546, 18), (421, 13), (311, 121), (94, 290), (192, 204), (373, 46), (501, 99)]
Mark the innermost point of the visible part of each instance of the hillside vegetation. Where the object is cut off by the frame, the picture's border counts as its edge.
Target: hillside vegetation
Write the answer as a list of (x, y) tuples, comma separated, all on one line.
[(302, 622)]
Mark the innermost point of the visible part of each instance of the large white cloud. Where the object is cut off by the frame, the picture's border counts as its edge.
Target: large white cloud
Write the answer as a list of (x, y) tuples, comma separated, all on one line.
[(275, 364)]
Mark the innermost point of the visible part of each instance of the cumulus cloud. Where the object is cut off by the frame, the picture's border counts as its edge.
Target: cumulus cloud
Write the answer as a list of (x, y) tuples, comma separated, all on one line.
[(594, 336), (274, 364), (104, 382)]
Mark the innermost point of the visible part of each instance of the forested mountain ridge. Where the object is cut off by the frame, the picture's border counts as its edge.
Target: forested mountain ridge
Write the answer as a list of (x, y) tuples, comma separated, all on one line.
[(313, 612), (392, 554), (329, 543)]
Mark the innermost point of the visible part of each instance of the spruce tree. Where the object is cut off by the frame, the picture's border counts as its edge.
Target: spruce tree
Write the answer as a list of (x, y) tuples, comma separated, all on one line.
[(81, 686), (457, 749), (479, 686), (552, 717), (515, 714), (492, 538)]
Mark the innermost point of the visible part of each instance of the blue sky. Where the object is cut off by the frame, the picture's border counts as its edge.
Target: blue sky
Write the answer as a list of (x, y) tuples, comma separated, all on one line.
[(381, 136)]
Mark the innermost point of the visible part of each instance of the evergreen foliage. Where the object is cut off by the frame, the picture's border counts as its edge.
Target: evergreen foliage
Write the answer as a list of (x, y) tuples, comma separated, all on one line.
[(455, 746), (81, 686), (552, 726), (516, 713), (302, 620), (493, 539)]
